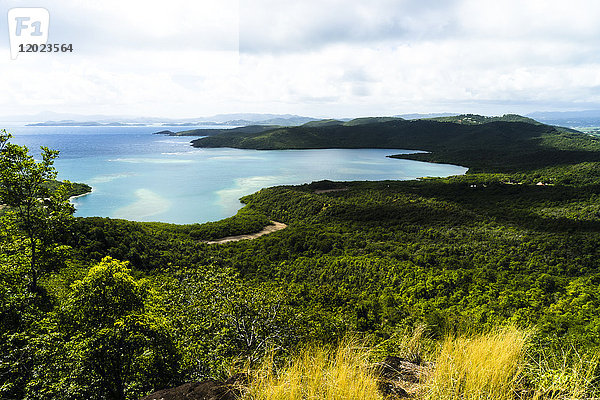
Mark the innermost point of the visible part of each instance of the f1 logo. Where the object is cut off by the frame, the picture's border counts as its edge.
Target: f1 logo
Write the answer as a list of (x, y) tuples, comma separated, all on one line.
[(27, 26)]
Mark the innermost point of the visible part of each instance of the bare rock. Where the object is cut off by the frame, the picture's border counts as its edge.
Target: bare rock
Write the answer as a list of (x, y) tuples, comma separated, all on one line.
[(209, 389)]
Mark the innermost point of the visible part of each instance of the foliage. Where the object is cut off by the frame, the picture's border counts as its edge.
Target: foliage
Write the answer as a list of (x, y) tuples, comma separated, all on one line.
[(35, 212), (563, 373), (244, 222), (73, 188), (221, 320), (104, 342), (383, 255), (500, 144), (436, 257), (19, 310)]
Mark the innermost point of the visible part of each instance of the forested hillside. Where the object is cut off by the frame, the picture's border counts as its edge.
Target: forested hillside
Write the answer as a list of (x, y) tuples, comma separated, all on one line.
[(484, 144), (517, 245)]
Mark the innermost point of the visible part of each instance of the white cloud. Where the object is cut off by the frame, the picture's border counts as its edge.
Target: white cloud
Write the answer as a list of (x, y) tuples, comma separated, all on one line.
[(325, 58)]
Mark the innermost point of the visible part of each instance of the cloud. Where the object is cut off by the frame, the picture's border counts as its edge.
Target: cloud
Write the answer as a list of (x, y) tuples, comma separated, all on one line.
[(277, 26), (112, 25), (318, 58)]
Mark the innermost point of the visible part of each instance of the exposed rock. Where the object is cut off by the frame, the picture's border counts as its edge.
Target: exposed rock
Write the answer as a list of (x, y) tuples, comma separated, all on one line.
[(399, 377), (399, 368), (209, 389), (391, 388)]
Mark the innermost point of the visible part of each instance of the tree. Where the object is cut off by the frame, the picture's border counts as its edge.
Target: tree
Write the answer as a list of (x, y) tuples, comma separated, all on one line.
[(35, 212), (106, 341)]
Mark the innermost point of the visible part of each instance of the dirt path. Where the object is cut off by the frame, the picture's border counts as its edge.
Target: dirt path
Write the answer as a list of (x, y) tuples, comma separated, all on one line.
[(277, 226)]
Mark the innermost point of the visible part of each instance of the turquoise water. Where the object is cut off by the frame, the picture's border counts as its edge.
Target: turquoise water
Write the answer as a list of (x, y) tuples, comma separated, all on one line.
[(143, 177)]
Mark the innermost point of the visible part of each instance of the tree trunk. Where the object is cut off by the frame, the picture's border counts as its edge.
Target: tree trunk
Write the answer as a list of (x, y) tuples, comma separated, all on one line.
[(33, 266)]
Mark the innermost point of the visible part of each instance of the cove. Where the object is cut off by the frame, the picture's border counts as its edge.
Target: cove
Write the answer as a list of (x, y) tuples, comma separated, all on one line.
[(143, 177)]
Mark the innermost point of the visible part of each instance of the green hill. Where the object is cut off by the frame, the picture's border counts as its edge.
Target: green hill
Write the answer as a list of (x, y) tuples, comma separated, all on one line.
[(370, 120), (322, 122), (474, 119), (215, 131), (495, 146)]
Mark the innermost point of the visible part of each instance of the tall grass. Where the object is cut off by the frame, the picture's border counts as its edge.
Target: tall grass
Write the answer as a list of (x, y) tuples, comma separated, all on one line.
[(565, 375), (492, 366), (318, 373), (487, 366)]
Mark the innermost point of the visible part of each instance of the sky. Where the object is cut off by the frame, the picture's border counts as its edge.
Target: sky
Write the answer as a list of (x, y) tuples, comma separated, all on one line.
[(325, 58)]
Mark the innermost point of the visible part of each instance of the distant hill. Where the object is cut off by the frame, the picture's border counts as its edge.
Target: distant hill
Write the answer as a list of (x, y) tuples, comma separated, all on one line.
[(352, 122), (588, 118), (250, 129), (263, 128), (84, 123), (370, 120), (323, 122), (425, 116), (474, 119), (491, 144), (238, 119)]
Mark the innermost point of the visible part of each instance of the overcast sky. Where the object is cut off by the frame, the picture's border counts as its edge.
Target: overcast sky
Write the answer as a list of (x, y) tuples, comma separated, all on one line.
[(325, 58)]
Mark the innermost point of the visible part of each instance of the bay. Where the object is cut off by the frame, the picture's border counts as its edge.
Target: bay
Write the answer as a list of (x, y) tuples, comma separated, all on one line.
[(143, 177)]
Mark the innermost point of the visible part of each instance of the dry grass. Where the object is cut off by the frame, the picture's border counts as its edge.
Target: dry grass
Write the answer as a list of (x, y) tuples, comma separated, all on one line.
[(410, 344), (565, 376), (493, 366), (318, 373), (482, 367)]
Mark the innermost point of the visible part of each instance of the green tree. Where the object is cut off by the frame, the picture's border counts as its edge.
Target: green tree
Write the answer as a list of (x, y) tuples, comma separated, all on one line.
[(35, 213), (105, 341), (20, 309)]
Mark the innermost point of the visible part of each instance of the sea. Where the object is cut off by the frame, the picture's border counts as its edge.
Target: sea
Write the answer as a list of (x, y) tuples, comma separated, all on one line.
[(139, 176)]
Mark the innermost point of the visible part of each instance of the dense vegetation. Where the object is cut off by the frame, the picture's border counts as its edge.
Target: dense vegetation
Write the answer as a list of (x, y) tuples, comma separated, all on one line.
[(484, 144), (460, 254)]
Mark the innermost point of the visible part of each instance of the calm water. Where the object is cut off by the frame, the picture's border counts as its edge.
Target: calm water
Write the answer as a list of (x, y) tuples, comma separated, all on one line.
[(145, 177)]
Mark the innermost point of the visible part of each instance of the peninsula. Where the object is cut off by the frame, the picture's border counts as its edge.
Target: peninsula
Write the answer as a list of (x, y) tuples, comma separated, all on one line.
[(492, 144)]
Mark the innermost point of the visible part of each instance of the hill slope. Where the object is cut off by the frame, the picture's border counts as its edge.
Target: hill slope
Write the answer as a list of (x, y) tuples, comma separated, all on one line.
[(497, 146)]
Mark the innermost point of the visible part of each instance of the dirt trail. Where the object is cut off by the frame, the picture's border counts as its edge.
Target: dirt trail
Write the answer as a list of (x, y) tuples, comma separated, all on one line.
[(277, 226)]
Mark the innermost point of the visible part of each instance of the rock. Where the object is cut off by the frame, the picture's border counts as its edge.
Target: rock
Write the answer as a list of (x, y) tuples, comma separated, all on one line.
[(398, 368), (400, 378), (390, 388), (209, 389)]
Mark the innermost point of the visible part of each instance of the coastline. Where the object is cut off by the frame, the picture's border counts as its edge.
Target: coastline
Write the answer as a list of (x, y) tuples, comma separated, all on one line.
[(81, 195)]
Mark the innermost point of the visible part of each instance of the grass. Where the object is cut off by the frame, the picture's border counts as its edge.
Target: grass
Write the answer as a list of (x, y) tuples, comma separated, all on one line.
[(486, 366), (318, 373), (492, 366), (565, 375)]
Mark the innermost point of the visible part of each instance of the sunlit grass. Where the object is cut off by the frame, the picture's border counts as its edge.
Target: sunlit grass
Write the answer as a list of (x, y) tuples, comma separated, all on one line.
[(486, 366), (492, 366), (318, 373), (567, 375)]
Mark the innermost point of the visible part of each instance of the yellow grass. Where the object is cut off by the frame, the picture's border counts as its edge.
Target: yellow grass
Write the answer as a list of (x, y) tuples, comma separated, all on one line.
[(482, 367), (493, 366), (318, 373), (569, 376)]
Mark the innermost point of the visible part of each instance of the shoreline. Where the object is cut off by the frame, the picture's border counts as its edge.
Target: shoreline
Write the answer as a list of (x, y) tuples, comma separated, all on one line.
[(81, 195)]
